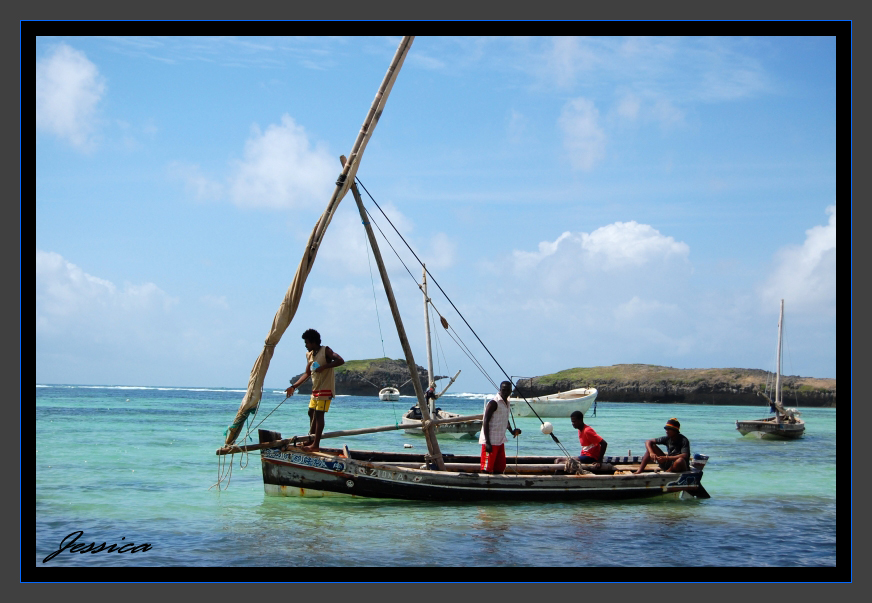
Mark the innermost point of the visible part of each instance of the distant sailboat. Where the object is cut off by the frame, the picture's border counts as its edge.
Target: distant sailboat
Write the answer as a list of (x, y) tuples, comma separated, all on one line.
[(412, 418), (786, 424)]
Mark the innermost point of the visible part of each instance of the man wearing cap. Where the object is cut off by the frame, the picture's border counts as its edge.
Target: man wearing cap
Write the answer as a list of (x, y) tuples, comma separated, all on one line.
[(677, 454)]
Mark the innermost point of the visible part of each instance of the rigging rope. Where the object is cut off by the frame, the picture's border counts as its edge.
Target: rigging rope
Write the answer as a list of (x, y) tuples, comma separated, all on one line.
[(553, 437), (372, 280)]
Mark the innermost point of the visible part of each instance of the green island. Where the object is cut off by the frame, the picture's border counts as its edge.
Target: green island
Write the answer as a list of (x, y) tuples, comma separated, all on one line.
[(616, 383)]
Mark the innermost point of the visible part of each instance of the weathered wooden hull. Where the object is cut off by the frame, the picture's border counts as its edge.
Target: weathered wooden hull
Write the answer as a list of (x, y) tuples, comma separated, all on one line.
[(767, 428), (559, 405), (450, 430), (389, 475)]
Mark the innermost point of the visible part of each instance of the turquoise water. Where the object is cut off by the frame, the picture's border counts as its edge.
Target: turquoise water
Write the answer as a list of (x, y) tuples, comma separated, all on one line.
[(138, 463)]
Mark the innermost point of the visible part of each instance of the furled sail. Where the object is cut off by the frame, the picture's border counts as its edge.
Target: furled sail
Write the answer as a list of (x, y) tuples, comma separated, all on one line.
[(288, 307)]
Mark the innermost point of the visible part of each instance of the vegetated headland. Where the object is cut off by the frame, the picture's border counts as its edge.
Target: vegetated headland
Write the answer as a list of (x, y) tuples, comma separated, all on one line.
[(617, 383), (367, 377), (651, 383)]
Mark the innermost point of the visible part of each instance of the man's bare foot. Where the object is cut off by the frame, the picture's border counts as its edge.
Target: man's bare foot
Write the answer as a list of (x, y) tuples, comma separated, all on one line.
[(311, 448)]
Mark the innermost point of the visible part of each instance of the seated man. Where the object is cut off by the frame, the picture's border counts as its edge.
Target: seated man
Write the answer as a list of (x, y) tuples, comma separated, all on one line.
[(677, 454), (593, 447)]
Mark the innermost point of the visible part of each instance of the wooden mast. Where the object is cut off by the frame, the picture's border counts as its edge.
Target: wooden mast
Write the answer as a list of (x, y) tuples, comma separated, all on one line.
[(430, 381), (427, 424), (778, 397), (291, 301)]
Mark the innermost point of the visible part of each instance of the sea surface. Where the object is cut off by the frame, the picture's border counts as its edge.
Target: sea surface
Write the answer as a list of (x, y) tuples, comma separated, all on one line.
[(138, 465)]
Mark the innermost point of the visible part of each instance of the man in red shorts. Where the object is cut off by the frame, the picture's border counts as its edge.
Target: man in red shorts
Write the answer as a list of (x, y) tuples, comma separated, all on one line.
[(493, 431)]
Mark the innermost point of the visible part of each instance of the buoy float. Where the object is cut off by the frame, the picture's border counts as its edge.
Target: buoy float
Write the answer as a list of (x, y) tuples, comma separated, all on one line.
[(547, 428)]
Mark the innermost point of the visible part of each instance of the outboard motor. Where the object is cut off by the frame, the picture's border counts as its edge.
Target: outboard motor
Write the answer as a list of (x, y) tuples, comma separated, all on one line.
[(699, 461)]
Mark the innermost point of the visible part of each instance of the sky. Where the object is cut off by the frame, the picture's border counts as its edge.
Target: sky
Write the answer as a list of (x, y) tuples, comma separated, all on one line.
[(581, 201)]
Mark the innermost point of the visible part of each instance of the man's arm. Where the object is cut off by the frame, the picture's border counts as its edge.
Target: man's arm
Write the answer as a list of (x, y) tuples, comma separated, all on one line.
[(485, 423), (308, 373), (685, 452), (515, 432), (603, 446), (333, 360)]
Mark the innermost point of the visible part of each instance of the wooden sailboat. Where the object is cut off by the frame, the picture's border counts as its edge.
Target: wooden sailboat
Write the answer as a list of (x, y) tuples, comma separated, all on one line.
[(412, 418), (786, 424), (289, 470)]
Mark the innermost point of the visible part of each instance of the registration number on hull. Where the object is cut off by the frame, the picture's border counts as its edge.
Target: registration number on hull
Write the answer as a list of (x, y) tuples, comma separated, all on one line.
[(296, 458)]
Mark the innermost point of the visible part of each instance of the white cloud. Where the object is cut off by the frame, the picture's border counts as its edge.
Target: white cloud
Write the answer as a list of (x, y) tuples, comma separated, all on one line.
[(196, 183), (610, 247), (567, 57), (69, 300), (282, 169), (583, 137), (68, 89), (805, 276), (630, 243), (528, 259)]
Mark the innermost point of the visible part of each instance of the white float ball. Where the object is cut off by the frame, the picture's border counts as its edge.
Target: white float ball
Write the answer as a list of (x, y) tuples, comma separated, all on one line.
[(546, 428)]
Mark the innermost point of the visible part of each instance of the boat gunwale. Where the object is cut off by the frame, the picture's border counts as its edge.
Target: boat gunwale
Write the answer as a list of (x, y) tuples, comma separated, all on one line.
[(392, 466)]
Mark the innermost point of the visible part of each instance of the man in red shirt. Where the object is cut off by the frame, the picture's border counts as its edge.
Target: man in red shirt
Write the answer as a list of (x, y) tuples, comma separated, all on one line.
[(593, 447)]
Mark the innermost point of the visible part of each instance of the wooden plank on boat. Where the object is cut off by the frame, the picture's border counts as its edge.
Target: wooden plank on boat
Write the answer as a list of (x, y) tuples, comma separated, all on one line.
[(525, 468), (307, 438)]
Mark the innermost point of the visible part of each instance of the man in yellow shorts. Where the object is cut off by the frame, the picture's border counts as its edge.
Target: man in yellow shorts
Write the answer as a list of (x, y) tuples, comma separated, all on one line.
[(320, 362)]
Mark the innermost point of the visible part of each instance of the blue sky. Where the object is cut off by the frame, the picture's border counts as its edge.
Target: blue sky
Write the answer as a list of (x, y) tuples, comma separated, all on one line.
[(583, 201)]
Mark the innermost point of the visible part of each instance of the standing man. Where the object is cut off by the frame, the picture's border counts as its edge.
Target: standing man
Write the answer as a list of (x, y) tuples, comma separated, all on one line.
[(493, 431), (320, 362), (677, 454)]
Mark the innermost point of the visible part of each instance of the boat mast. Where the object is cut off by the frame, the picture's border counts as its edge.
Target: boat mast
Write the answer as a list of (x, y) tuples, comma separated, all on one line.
[(430, 381), (426, 420), (291, 301), (778, 401)]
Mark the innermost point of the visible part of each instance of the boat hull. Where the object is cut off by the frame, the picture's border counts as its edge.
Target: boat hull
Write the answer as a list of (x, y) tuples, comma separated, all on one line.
[(456, 431), (296, 473), (559, 405), (769, 429), (389, 394)]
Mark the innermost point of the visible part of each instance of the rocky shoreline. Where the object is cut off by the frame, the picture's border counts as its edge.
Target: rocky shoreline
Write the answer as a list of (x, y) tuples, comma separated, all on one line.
[(367, 377), (617, 383), (651, 383)]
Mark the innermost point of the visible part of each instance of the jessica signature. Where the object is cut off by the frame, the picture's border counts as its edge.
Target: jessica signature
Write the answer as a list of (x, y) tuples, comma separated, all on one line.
[(93, 547)]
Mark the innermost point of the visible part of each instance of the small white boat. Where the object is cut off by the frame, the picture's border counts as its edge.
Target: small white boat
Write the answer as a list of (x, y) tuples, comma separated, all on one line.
[(561, 404), (389, 394)]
